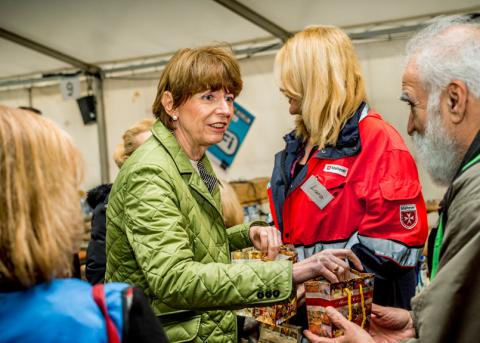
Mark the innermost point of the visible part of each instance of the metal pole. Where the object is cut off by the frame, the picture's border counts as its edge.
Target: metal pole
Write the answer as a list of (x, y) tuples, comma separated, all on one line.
[(30, 97), (101, 129), (255, 18), (43, 49)]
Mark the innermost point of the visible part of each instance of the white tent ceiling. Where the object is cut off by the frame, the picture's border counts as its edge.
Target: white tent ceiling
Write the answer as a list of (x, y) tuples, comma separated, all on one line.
[(39, 38), (103, 31)]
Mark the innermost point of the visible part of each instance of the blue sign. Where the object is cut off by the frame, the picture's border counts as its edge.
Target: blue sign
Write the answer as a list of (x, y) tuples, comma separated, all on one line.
[(226, 150)]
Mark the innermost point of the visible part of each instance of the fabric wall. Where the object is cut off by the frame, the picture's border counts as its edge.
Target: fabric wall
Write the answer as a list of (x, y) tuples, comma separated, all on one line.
[(128, 101)]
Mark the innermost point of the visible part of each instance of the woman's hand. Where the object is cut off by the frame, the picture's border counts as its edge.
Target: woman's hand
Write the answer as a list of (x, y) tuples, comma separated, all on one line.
[(351, 332), (329, 263), (390, 324), (267, 239)]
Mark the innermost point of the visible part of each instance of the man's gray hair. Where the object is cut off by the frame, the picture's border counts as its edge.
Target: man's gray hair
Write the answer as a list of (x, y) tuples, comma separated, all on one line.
[(443, 53)]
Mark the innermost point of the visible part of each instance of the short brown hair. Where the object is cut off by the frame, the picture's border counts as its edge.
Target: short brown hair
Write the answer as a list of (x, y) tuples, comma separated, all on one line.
[(319, 68), (130, 141), (40, 218), (195, 70)]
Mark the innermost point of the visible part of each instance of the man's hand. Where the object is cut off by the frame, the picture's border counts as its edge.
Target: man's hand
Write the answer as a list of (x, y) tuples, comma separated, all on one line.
[(390, 324), (267, 239), (352, 333)]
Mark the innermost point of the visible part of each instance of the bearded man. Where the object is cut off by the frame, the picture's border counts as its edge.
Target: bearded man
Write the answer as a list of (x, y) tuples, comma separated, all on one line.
[(441, 84)]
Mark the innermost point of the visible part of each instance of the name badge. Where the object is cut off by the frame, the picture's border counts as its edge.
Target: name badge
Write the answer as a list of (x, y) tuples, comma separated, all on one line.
[(336, 169), (317, 192)]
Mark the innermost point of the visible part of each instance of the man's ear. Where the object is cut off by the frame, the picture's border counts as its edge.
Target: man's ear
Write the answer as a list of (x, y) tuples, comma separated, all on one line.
[(167, 102), (456, 100)]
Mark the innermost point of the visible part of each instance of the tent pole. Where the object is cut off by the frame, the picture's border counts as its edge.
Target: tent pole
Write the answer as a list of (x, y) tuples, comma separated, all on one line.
[(101, 128)]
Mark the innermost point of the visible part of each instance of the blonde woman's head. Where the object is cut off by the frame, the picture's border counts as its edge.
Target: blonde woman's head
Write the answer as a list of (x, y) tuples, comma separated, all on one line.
[(319, 72), (40, 216), (132, 139)]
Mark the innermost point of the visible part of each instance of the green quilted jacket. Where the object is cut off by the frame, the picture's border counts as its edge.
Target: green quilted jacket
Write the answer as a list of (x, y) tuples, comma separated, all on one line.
[(165, 234)]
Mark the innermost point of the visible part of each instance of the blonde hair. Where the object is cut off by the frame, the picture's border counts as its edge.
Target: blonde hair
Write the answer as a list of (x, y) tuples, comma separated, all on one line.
[(40, 217), (131, 141), (195, 70), (232, 209), (319, 68)]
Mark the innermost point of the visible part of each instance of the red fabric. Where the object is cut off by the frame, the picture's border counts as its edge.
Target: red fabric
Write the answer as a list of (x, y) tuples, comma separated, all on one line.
[(98, 293), (377, 193), (357, 298), (272, 208)]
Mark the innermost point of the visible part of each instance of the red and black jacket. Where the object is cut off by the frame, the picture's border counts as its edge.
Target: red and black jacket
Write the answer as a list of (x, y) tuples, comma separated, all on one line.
[(377, 208)]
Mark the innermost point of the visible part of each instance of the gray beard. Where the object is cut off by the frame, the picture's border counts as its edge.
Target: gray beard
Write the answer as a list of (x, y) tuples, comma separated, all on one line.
[(438, 152)]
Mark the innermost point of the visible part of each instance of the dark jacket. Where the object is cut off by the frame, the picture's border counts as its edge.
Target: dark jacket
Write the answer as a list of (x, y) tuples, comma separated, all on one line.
[(97, 199)]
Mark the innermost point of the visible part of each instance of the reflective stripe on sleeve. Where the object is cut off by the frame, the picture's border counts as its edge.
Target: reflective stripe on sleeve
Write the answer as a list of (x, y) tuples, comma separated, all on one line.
[(401, 254), (305, 252)]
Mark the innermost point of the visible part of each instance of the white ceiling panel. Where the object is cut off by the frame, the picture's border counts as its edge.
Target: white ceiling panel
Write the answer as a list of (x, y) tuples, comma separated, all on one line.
[(99, 31), (106, 30), (294, 15), (17, 60)]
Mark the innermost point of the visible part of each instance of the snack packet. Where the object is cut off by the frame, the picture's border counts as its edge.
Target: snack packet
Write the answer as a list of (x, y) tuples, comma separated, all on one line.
[(351, 297)]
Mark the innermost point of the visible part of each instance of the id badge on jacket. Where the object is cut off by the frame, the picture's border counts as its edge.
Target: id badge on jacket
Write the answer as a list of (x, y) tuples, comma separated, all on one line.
[(317, 192)]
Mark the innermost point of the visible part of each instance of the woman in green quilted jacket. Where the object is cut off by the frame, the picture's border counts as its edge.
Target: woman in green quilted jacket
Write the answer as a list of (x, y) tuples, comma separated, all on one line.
[(165, 229)]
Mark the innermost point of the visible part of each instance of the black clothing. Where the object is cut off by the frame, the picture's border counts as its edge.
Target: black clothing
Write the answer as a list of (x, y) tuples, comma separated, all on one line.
[(97, 199), (141, 324)]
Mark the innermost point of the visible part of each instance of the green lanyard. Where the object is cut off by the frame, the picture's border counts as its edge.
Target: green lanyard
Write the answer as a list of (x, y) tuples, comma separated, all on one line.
[(436, 248), (439, 238)]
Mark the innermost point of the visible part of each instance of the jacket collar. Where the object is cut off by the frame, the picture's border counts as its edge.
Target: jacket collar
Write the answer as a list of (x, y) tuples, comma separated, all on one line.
[(348, 143), (166, 138), (472, 152)]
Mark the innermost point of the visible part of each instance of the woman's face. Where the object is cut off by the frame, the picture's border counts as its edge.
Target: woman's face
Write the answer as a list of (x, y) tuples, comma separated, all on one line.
[(295, 105), (204, 118)]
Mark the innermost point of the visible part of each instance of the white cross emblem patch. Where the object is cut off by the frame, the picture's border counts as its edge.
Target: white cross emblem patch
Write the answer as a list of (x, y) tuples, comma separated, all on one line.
[(408, 216)]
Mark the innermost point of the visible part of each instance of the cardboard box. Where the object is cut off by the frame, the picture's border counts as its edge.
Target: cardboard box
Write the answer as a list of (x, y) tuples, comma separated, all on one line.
[(251, 191), (351, 297), (276, 314)]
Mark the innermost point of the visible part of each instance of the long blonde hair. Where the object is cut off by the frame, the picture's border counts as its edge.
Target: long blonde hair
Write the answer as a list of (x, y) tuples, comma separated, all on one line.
[(319, 68), (40, 217)]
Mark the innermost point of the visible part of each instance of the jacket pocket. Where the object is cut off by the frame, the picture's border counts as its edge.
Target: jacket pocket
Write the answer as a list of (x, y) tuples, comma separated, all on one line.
[(181, 330), (334, 185), (400, 189)]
